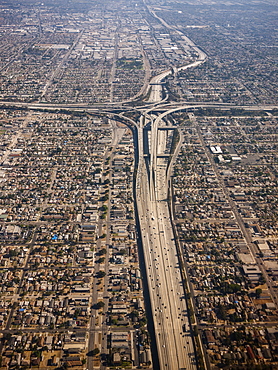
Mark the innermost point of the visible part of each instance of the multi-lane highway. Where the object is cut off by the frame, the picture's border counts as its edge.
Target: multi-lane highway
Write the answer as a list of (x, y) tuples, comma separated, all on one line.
[(168, 305), (156, 92)]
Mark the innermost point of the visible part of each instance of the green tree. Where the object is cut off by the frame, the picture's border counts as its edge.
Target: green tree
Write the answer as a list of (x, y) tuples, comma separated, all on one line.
[(102, 251), (94, 352), (100, 304), (258, 292), (101, 274)]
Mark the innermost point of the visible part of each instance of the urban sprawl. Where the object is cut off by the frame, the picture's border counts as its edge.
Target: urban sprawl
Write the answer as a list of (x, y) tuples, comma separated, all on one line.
[(138, 185)]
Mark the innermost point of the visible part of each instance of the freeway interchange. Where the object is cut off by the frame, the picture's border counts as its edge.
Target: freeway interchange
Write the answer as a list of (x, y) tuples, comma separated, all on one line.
[(173, 336), (173, 331), (174, 341), (172, 319)]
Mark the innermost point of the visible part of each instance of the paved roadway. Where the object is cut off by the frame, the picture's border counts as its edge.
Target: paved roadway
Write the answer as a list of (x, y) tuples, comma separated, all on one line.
[(254, 251), (98, 336), (155, 82), (61, 64), (14, 139), (168, 306), (167, 299)]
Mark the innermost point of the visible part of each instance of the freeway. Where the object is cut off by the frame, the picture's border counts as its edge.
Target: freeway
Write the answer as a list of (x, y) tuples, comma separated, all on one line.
[(168, 305), (173, 337), (156, 82), (116, 108)]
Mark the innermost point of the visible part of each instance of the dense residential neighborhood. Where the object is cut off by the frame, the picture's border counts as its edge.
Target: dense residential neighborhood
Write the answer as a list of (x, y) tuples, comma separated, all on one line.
[(138, 185)]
